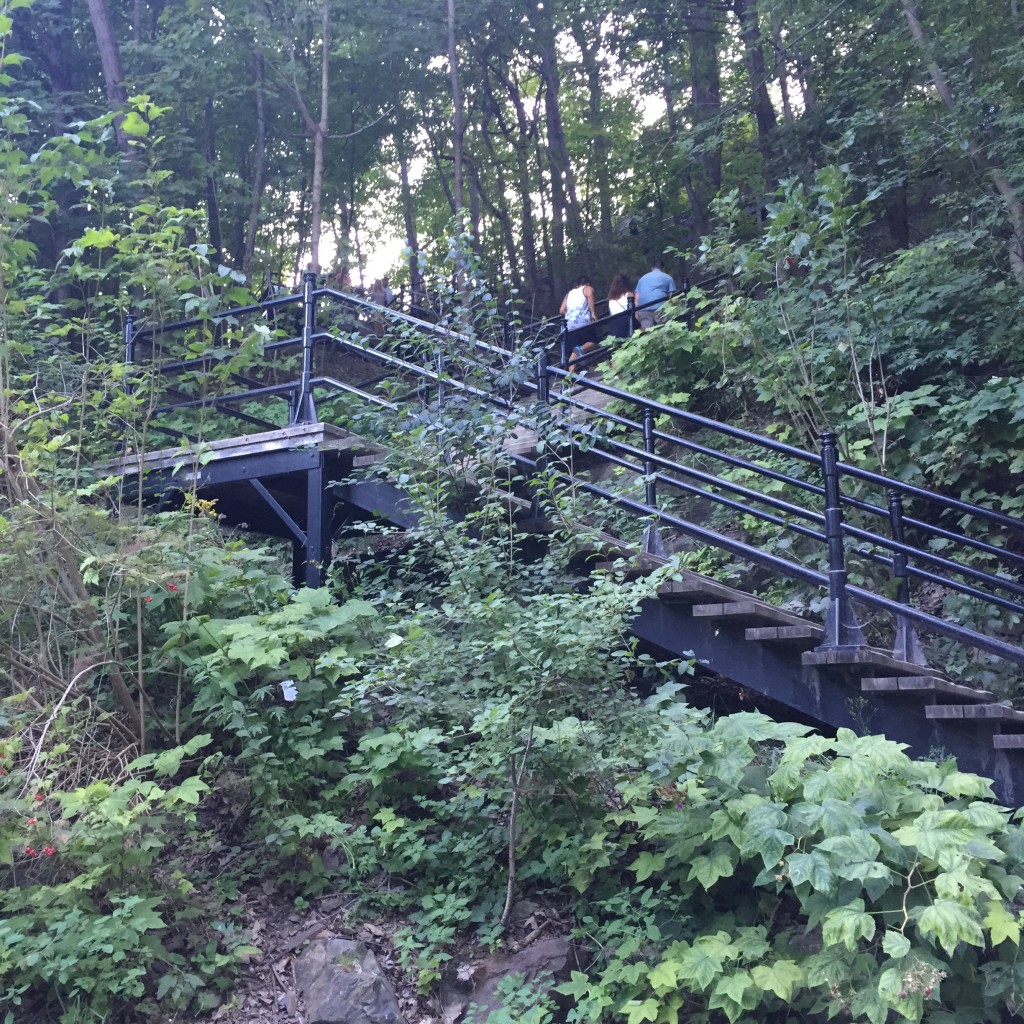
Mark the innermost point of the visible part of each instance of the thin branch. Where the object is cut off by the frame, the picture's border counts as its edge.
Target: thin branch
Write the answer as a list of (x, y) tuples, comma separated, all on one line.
[(517, 787)]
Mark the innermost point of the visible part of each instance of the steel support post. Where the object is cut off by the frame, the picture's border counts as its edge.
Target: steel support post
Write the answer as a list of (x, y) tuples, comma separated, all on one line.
[(652, 542), (563, 345), (129, 352), (305, 409), (841, 626), (907, 646), (544, 397), (319, 513), (630, 314)]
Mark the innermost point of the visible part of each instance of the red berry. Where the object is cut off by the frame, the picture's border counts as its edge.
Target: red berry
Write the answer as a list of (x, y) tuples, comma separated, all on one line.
[(30, 850), (32, 821), (172, 586), (3, 771), (927, 993), (49, 850), (903, 995), (148, 600), (39, 798)]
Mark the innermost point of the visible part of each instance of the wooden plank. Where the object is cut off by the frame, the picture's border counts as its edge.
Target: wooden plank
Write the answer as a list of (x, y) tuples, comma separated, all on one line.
[(703, 587), (883, 684), (804, 635), (521, 441), (1008, 741), (944, 711), (999, 711), (750, 610), (686, 591), (325, 436), (922, 685), (988, 712), (868, 658)]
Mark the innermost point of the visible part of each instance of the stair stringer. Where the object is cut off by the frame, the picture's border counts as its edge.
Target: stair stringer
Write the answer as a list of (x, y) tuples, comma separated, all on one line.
[(831, 694)]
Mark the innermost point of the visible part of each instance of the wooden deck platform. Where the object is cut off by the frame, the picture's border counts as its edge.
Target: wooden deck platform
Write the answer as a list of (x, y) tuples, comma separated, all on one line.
[(280, 483)]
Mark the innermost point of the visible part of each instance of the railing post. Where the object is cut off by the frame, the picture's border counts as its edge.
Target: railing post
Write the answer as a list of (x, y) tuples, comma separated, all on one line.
[(543, 384), (630, 314), (841, 626), (544, 397), (507, 338), (563, 345), (907, 646), (305, 410), (129, 352), (652, 543)]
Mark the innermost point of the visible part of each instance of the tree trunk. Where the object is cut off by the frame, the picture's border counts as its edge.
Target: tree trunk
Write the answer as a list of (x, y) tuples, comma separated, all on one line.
[(212, 207), (590, 39), (319, 139), (703, 36), (259, 165), (761, 104), (498, 205), (565, 208), (782, 68), (1008, 194), (409, 215), (458, 129), (110, 59), (520, 139)]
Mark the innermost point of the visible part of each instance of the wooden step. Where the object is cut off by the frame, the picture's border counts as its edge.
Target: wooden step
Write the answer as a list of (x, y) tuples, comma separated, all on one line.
[(1008, 741), (521, 441), (914, 686), (693, 589), (870, 660), (990, 712), (747, 611), (628, 568), (805, 634)]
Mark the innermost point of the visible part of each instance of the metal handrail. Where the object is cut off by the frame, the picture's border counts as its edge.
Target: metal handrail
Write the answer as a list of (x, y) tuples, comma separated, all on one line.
[(661, 473)]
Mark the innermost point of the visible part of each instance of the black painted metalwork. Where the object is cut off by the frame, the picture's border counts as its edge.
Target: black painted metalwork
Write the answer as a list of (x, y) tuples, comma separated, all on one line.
[(305, 409), (797, 493), (652, 542), (841, 626), (907, 645)]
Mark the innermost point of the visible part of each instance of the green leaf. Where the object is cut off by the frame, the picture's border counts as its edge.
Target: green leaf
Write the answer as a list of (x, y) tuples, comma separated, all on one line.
[(845, 925), (709, 869), (783, 978), (663, 977), (1001, 924), (895, 944), (949, 923), (189, 792), (97, 238), (646, 864), (134, 125), (734, 995), (704, 960), (811, 867), (637, 1011)]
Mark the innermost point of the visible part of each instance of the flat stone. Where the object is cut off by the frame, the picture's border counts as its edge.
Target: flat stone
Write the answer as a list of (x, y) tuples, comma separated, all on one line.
[(341, 982), (540, 966)]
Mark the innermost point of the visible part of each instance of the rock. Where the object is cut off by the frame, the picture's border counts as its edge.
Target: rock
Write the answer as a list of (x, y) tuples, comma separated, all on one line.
[(341, 982), (541, 965)]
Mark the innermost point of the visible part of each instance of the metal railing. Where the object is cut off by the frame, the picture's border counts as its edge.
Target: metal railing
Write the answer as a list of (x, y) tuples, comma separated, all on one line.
[(896, 534)]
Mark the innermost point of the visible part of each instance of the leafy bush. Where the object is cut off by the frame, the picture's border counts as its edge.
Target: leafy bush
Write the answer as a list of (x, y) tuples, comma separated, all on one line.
[(98, 912), (776, 872)]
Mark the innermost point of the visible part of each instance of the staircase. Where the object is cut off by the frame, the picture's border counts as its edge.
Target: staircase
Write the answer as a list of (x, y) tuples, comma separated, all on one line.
[(813, 514)]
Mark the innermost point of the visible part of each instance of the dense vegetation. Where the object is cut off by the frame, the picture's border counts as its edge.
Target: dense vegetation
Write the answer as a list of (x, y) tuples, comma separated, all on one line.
[(844, 183)]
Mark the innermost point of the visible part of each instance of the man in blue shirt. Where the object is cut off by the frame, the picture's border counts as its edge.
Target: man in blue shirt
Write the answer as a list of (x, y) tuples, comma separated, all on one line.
[(654, 287)]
